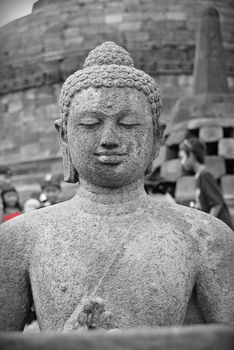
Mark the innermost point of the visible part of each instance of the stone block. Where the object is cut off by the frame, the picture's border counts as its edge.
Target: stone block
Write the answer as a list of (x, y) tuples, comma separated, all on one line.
[(158, 16), (30, 94), (96, 19), (210, 133), (95, 6), (171, 170), (176, 137), (209, 64), (176, 16), (133, 16), (29, 150), (68, 190), (197, 337), (129, 26), (160, 159), (226, 148), (142, 46), (71, 32), (132, 5), (15, 106), (114, 18), (185, 189), (52, 111), (35, 49), (73, 41), (78, 21), (137, 37), (57, 167), (227, 185), (6, 144), (216, 165)]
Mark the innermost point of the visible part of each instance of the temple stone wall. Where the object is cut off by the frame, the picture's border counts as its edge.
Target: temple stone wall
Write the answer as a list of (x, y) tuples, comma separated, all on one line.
[(27, 130), (39, 51), (27, 122)]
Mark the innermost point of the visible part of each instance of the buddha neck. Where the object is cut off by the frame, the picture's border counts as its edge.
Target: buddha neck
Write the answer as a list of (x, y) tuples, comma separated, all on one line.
[(110, 201)]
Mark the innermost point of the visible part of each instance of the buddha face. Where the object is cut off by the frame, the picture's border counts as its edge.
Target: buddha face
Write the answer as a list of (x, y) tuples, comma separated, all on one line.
[(110, 135)]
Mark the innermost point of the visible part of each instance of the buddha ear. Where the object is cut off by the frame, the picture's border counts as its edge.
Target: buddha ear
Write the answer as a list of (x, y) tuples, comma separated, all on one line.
[(158, 133), (69, 171), (159, 127)]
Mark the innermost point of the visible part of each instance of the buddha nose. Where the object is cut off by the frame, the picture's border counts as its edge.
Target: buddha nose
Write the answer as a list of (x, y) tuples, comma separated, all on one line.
[(109, 137)]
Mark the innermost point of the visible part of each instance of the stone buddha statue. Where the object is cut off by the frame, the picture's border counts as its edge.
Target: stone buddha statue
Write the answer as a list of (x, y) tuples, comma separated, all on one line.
[(112, 257)]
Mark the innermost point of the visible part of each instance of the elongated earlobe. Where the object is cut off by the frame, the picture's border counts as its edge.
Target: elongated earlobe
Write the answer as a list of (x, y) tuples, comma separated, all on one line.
[(158, 132), (69, 171)]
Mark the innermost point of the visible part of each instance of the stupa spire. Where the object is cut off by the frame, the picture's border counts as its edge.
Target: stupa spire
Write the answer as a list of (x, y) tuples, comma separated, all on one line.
[(209, 66)]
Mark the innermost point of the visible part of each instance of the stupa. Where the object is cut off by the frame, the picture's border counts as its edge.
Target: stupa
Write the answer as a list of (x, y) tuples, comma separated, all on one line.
[(39, 51), (207, 113)]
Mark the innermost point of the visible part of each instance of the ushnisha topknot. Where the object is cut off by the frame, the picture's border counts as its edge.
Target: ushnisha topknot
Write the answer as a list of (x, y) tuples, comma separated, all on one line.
[(108, 53), (109, 65)]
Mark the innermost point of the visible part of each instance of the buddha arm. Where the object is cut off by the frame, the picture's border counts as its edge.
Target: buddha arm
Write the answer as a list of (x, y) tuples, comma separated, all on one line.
[(14, 282), (215, 279)]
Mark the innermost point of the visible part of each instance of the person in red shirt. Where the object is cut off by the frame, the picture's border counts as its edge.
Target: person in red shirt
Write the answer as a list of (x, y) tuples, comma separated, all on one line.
[(10, 201)]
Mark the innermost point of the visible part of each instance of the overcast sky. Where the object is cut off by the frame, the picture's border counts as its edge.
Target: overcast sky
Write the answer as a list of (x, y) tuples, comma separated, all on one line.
[(13, 9)]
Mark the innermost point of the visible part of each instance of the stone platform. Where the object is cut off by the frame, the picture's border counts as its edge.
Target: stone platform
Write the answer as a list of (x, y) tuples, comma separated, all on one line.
[(210, 337)]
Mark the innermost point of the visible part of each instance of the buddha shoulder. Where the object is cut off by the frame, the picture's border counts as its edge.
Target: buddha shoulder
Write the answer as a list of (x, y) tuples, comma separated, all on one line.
[(193, 222), (24, 229)]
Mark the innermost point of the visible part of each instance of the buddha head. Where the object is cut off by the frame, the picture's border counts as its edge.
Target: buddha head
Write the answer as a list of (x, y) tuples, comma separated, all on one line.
[(109, 130)]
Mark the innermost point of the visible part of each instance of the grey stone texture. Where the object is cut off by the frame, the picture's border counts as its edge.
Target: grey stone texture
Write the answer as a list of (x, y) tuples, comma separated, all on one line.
[(146, 264), (153, 258), (210, 65), (39, 51), (210, 337), (206, 113), (161, 35)]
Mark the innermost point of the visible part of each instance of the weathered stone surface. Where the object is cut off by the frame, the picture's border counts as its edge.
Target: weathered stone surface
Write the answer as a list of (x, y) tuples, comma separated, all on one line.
[(115, 18), (197, 123), (216, 165), (226, 148), (38, 51), (211, 106), (160, 159), (26, 126), (175, 138), (153, 264), (227, 183), (171, 170), (185, 189), (169, 26), (210, 134), (210, 67), (195, 338), (206, 111)]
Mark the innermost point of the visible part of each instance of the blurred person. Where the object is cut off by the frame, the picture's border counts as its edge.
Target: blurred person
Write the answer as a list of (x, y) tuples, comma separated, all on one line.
[(10, 201), (51, 189), (208, 195), (31, 204), (159, 190), (5, 175), (5, 179)]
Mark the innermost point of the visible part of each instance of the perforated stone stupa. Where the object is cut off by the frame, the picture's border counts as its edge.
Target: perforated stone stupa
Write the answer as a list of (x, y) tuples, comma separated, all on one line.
[(39, 51), (207, 113)]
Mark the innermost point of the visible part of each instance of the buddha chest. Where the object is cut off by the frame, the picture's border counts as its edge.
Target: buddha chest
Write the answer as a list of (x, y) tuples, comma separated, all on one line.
[(141, 268)]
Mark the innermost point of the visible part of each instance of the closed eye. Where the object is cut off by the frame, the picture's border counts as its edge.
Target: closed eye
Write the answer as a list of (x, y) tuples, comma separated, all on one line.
[(128, 125), (89, 125)]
